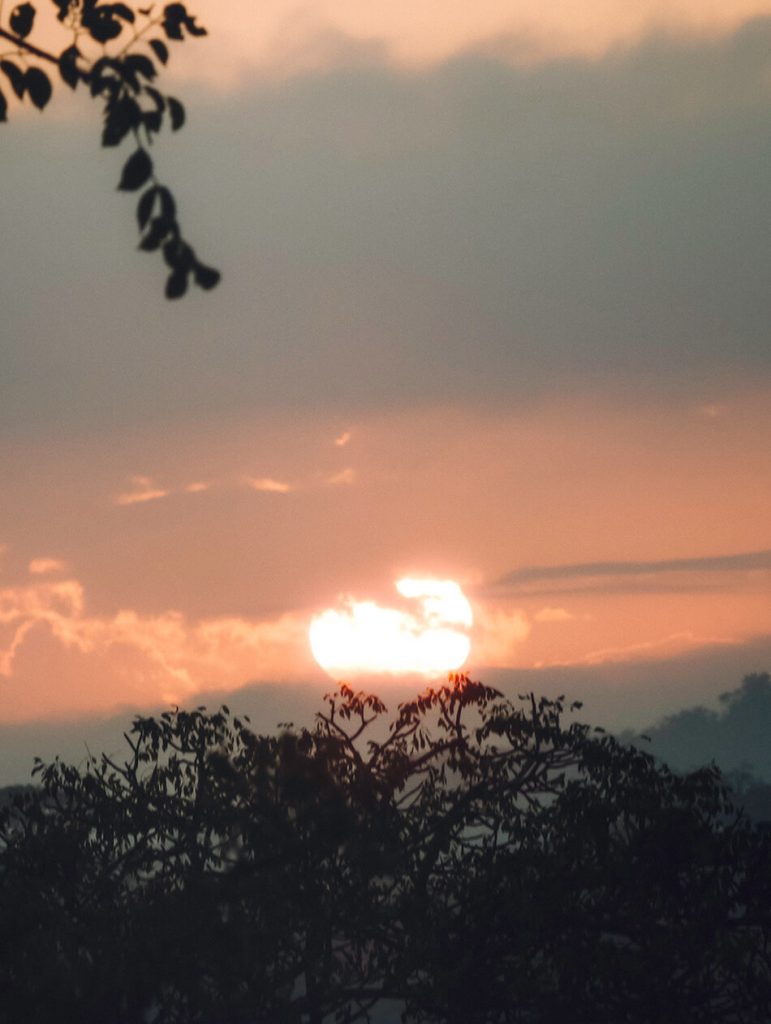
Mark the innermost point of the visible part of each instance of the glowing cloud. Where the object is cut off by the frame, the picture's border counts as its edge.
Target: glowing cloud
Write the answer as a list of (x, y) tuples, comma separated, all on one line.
[(268, 485), (143, 490), (344, 477), (361, 637), (128, 657), (553, 615), (42, 566)]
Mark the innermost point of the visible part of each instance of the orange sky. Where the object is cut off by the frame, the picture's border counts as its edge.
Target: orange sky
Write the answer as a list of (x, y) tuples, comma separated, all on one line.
[(501, 320), (172, 568)]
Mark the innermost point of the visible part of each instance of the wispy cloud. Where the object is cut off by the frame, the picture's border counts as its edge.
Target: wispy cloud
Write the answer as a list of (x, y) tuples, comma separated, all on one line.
[(634, 575), (675, 643), (268, 485), (197, 487), (553, 615), (142, 489), (344, 477), (343, 439), (43, 566)]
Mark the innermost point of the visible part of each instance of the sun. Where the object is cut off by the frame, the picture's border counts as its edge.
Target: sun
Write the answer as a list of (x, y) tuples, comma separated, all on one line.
[(361, 637)]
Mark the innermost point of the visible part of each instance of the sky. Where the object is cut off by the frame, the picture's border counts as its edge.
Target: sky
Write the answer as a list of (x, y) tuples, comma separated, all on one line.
[(494, 309)]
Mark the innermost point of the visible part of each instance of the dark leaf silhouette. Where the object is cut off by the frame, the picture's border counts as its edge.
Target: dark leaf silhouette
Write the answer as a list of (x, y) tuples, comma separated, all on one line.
[(15, 76), (159, 229), (68, 66), (206, 277), (38, 86), (137, 169), (176, 283), (139, 64), (160, 49), (121, 116), (145, 206), (22, 20), (176, 112)]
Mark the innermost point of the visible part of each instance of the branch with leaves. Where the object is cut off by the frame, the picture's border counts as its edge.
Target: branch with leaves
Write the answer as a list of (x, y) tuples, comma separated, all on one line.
[(114, 51)]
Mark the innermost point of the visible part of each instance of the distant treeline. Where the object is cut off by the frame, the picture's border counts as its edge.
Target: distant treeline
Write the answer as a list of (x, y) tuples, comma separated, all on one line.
[(736, 737)]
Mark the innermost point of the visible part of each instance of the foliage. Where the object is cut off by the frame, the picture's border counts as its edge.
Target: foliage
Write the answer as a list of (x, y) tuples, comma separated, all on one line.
[(477, 860), (115, 51)]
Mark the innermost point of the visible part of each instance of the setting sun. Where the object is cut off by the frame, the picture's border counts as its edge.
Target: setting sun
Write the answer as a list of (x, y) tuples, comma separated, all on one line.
[(362, 637)]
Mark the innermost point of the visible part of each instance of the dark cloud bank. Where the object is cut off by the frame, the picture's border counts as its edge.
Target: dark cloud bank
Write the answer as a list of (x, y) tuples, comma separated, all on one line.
[(643, 576), (476, 233)]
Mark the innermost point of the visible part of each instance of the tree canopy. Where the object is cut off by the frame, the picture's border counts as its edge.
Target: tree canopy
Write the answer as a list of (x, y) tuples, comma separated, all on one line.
[(114, 51), (471, 858)]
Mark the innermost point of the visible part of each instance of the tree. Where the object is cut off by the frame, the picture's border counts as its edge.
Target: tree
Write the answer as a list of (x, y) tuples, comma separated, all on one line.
[(479, 861), (114, 50)]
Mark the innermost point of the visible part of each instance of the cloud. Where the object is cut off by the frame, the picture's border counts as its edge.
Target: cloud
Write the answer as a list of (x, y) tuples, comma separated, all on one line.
[(43, 566), (713, 410), (166, 656), (197, 487), (691, 573), (553, 615), (477, 233), (666, 646), (268, 485), (281, 38), (498, 634), (342, 440), (143, 490), (344, 476)]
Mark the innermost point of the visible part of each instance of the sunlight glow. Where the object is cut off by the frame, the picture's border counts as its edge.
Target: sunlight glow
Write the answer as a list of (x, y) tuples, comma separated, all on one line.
[(362, 637)]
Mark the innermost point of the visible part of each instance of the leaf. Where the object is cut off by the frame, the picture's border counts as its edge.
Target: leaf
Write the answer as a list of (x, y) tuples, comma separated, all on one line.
[(151, 119), (101, 24), (136, 171), (176, 284), (172, 21), (159, 229), (168, 206), (121, 117), (64, 7), (178, 254), (160, 49), (177, 113), (206, 277), (15, 76), (22, 18), (142, 65), (122, 11), (68, 67), (38, 86)]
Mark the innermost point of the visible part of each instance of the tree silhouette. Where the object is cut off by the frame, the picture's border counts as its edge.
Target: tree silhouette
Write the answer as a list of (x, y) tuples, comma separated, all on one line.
[(114, 50), (479, 861)]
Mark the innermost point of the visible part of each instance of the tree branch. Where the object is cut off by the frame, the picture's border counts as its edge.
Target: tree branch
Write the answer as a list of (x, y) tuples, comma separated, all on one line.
[(29, 47)]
